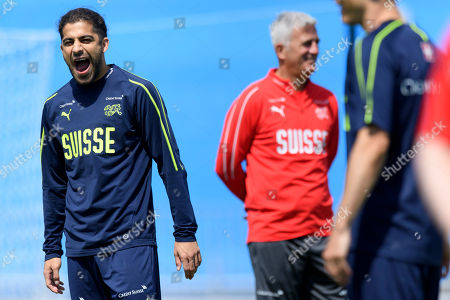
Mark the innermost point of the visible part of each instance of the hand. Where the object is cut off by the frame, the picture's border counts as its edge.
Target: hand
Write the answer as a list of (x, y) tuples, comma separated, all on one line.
[(445, 260), (335, 255), (188, 254), (51, 275)]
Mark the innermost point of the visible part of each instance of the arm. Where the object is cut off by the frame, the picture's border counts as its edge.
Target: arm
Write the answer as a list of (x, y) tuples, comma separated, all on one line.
[(54, 186), (364, 166), (157, 134), (235, 142), (366, 159)]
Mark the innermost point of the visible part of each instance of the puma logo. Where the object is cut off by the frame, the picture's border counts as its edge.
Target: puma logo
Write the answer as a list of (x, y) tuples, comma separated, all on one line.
[(67, 115), (277, 109)]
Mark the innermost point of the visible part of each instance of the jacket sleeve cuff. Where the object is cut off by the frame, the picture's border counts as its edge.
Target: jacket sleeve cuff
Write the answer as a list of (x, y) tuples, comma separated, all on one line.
[(51, 255), (186, 239)]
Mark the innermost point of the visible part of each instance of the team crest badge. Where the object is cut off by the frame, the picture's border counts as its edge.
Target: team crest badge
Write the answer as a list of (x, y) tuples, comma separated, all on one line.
[(428, 51), (112, 109), (322, 113)]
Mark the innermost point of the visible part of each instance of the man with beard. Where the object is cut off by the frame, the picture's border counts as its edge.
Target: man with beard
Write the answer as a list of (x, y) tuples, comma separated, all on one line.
[(286, 128), (395, 250), (97, 174)]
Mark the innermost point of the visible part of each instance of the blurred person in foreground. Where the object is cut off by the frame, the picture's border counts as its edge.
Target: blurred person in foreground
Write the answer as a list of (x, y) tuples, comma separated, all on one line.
[(97, 174), (286, 129), (433, 163), (395, 249)]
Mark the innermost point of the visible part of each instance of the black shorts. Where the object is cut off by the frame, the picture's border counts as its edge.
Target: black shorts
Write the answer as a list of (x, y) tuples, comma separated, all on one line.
[(293, 270)]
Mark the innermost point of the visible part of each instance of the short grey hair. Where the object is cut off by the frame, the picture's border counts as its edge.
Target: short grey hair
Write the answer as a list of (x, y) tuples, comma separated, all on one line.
[(281, 29)]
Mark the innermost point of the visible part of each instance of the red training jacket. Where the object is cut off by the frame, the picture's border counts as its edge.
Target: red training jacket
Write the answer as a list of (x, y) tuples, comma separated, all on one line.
[(289, 139)]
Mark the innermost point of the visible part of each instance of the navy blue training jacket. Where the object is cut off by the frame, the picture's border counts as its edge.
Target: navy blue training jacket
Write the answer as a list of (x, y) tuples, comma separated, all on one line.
[(97, 146)]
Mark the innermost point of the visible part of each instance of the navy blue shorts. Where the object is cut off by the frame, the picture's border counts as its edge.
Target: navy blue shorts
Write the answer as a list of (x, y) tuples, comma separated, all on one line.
[(127, 274), (383, 278)]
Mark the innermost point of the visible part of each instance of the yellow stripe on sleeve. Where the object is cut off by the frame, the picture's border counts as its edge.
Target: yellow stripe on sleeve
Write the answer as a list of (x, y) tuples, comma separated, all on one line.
[(42, 140), (160, 120)]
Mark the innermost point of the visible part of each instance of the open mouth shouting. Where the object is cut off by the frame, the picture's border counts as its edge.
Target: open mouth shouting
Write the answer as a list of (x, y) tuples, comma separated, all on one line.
[(82, 65)]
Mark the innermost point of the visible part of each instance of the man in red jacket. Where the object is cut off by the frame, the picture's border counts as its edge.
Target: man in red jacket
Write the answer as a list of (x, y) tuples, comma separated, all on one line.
[(286, 128)]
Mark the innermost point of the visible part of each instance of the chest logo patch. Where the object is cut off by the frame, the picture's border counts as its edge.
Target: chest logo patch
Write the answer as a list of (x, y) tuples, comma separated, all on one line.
[(66, 114), (428, 52), (110, 110), (279, 110), (322, 113)]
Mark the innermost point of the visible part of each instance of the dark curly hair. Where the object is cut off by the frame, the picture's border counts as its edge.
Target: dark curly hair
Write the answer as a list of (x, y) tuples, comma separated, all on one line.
[(84, 14)]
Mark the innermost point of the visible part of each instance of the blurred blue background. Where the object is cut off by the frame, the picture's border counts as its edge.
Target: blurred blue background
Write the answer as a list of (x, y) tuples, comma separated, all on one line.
[(201, 55)]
